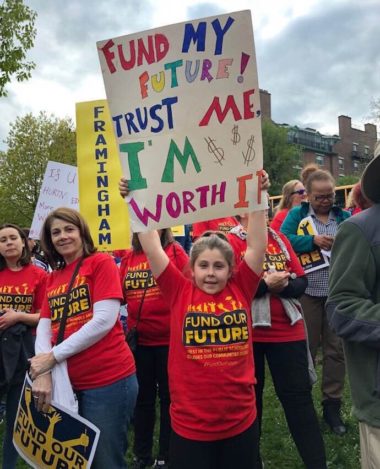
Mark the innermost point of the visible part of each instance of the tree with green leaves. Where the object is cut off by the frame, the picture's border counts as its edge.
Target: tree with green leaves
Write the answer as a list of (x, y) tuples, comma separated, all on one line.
[(17, 33), (281, 159), (347, 180), (32, 142)]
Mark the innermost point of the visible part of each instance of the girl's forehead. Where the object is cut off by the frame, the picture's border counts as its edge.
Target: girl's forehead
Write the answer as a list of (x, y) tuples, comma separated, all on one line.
[(211, 255)]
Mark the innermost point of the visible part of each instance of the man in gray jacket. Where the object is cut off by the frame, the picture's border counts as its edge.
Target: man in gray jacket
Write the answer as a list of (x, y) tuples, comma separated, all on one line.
[(353, 309)]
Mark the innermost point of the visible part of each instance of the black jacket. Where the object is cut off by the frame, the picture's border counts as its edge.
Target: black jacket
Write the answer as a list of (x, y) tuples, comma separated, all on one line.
[(16, 347)]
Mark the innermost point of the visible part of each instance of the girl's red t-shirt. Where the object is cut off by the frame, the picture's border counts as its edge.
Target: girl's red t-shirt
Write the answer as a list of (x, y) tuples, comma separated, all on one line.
[(109, 359), (136, 277), (211, 370), (281, 330)]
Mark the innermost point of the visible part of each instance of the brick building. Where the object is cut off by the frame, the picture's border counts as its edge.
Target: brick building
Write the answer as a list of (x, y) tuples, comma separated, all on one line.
[(355, 147), (344, 154)]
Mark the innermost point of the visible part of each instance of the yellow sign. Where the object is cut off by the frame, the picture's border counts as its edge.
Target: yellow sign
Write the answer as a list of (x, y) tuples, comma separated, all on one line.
[(99, 172), (178, 230), (56, 439), (315, 259)]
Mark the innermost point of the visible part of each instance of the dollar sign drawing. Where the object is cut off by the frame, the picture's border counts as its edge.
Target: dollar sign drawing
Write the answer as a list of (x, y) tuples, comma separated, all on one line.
[(216, 151), (250, 154), (235, 135)]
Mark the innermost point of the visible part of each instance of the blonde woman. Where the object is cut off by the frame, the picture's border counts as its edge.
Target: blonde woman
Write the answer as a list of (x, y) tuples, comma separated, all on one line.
[(293, 194)]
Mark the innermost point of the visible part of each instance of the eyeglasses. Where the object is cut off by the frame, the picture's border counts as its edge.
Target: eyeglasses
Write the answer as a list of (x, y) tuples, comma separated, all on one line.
[(220, 235), (299, 192), (319, 198)]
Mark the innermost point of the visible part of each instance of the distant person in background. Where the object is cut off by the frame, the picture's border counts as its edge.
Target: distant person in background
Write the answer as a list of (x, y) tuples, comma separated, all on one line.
[(185, 239), (357, 201), (293, 193), (38, 259), (223, 225)]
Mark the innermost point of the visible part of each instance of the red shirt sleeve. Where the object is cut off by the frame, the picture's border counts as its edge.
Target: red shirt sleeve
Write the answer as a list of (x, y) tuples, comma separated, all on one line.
[(106, 279), (278, 220), (39, 294)]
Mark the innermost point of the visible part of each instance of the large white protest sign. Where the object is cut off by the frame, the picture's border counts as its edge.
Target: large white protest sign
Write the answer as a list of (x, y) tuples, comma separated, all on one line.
[(59, 189), (185, 106)]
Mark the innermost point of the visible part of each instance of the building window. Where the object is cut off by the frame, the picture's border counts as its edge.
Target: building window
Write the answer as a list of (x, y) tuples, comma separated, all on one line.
[(320, 160), (341, 164)]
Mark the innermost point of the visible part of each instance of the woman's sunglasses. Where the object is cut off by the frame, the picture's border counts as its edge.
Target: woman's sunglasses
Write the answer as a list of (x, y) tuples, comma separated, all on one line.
[(299, 192)]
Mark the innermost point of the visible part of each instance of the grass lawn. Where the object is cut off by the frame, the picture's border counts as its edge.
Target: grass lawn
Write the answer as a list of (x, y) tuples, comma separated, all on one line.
[(277, 447)]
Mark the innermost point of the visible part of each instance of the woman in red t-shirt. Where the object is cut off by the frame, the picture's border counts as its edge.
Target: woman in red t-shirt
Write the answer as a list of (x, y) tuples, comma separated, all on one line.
[(22, 287), (223, 225), (279, 337), (211, 371), (150, 314), (100, 365)]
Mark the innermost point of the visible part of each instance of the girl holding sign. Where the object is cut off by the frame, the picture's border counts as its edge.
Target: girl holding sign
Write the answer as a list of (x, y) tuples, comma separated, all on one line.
[(211, 370), (100, 365), (22, 286), (149, 313)]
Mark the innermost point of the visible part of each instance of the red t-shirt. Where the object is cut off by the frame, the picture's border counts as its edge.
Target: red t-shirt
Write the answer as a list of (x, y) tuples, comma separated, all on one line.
[(278, 219), (219, 224), (154, 324), (109, 359), (281, 329), (211, 370), (22, 290)]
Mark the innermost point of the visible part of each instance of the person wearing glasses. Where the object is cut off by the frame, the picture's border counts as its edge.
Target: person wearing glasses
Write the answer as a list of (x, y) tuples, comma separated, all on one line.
[(326, 217), (293, 193)]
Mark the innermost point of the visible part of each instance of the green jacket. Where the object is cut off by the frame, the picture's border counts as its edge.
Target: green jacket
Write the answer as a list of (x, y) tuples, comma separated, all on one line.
[(305, 243), (353, 308)]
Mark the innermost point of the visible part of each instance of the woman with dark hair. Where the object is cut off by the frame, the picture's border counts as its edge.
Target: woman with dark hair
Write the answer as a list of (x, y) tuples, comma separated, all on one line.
[(149, 314), (22, 286), (293, 193), (100, 365)]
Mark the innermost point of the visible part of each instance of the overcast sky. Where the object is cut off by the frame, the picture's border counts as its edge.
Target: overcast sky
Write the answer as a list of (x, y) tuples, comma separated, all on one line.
[(318, 58)]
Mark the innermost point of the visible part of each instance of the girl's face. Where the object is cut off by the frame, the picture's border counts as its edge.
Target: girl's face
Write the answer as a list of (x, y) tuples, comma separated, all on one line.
[(211, 271), (11, 244), (66, 239)]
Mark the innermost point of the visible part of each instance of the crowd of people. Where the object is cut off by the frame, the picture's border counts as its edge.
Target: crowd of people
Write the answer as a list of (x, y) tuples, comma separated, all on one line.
[(202, 323)]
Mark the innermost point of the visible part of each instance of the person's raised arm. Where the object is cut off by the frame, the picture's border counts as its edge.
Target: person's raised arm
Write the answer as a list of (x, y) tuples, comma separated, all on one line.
[(257, 238), (150, 241), (157, 257)]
